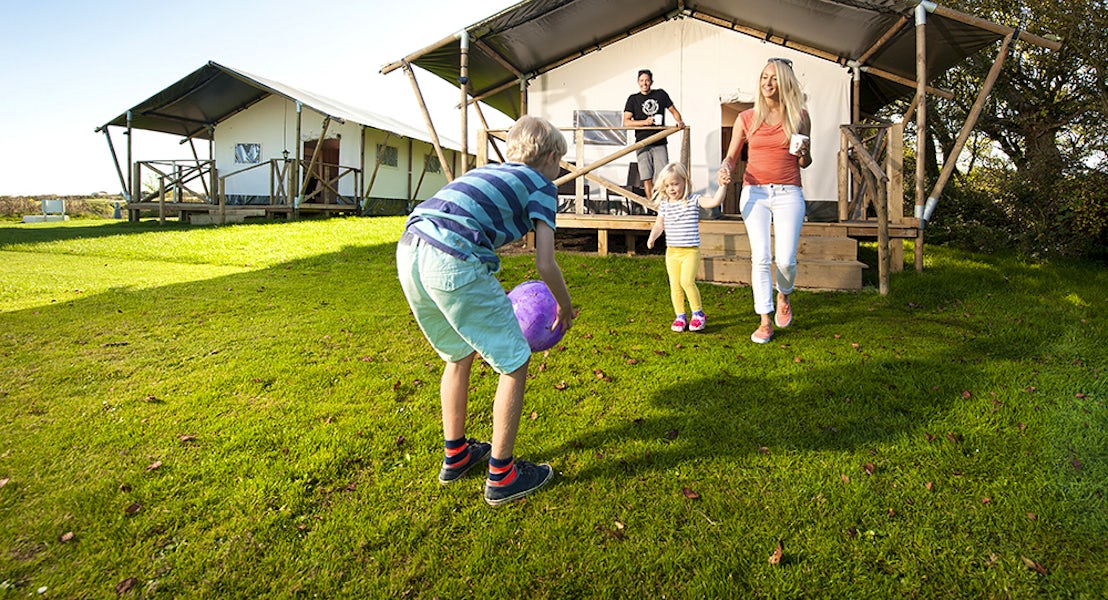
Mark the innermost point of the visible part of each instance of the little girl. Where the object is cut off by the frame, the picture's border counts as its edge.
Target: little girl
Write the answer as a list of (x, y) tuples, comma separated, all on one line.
[(679, 217)]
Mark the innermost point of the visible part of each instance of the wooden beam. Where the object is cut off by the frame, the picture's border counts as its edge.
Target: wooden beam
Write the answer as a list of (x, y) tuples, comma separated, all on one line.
[(998, 29), (971, 122), (866, 158), (409, 59), (493, 54), (884, 39), (430, 125)]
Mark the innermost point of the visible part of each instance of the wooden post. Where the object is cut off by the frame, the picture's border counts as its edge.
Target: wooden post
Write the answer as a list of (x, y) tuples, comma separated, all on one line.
[(882, 209), (131, 183), (299, 163), (844, 175), (161, 200), (921, 122), (483, 145), (222, 200), (463, 85), (579, 182), (136, 175)]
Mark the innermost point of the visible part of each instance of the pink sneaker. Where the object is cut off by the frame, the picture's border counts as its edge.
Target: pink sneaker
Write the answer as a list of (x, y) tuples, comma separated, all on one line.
[(698, 321), (679, 324), (784, 315), (762, 335)]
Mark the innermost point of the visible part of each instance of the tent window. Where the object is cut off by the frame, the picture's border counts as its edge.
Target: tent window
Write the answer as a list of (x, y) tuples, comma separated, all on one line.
[(601, 118), (248, 153), (432, 162), (388, 155)]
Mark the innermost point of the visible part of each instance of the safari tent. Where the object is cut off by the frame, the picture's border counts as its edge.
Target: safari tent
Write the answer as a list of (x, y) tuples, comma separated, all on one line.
[(572, 60), (273, 149)]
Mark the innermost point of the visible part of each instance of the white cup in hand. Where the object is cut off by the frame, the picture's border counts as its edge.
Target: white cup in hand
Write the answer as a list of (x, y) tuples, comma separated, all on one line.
[(798, 141), (658, 119)]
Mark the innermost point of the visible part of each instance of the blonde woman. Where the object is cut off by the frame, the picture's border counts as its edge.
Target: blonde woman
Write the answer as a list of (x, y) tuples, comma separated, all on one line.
[(772, 194)]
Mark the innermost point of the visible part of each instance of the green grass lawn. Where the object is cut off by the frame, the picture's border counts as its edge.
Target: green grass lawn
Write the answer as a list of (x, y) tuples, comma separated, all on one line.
[(251, 411)]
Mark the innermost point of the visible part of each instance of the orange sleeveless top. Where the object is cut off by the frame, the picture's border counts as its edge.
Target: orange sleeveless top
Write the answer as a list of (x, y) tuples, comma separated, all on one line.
[(769, 160)]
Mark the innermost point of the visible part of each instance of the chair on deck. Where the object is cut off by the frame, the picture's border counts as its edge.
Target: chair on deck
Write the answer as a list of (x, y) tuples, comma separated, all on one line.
[(634, 183), (567, 193)]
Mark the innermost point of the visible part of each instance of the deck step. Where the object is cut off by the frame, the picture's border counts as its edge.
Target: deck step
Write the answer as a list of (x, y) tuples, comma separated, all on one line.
[(811, 274)]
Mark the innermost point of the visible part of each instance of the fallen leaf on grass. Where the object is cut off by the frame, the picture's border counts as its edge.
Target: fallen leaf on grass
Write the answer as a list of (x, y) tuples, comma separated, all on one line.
[(777, 554), (1080, 395), (561, 386), (671, 434), (187, 438), (1034, 566), (4, 482), (844, 478), (133, 508), (154, 465), (614, 533), (126, 585), (966, 394), (1076, 464), (67, 537), (1032, 516), (869, 468), (534, 415), (764, 450), (690, 494), (953, 437), (986, 500)]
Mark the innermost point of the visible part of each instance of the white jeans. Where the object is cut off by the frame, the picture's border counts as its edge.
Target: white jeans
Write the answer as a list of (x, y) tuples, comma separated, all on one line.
[(781, 206)]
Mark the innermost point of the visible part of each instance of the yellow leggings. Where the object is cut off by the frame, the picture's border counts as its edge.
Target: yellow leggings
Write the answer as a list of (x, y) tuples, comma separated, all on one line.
[(682, 265)]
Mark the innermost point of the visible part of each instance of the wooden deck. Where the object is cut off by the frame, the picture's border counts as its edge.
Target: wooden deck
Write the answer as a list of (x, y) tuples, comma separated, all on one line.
[(200, 213), (827, 257)]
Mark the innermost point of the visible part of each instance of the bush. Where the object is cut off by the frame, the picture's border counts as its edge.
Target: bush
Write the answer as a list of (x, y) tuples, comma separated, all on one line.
[(13, 208)]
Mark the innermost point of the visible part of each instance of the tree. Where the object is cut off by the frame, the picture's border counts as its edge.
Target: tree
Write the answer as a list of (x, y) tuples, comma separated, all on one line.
[(1043, 135)]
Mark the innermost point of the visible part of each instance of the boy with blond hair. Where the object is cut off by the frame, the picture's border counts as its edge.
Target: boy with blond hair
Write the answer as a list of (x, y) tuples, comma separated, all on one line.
[(447, 263)]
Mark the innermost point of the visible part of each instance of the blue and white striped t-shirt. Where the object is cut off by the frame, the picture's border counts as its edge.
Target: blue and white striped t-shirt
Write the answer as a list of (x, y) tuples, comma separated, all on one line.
[(485, 209), (682, 222)]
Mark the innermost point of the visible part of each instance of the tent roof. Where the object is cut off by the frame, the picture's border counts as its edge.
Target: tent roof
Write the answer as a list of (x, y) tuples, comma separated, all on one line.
[(536, 36), (192, 106)]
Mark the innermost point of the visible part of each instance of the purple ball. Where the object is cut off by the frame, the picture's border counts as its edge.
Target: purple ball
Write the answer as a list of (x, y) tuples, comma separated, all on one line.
[(536, 309)]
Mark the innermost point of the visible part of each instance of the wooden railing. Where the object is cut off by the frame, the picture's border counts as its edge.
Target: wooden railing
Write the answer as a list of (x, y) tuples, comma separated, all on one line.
[(578, 170), (871, 176)]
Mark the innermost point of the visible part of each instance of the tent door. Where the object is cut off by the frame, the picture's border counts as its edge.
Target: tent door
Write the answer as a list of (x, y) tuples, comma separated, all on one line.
[(326, 169), (729, 111)]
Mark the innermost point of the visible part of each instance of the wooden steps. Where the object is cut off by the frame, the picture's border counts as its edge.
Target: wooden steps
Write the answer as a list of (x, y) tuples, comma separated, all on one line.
[(826, 258)]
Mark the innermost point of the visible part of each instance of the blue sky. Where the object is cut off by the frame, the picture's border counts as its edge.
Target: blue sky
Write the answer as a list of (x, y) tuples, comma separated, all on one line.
[(69, 66)]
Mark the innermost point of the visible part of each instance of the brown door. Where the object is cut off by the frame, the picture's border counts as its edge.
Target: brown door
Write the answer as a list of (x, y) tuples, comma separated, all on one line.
[(325, 169), (730, 111)]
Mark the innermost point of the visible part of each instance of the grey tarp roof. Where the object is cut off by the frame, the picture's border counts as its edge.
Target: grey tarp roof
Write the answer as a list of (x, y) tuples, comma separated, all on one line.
[(535, 36), (212, 93)]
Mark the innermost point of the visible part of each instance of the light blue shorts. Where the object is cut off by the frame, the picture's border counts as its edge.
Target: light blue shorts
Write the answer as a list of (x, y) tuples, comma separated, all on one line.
[(460, 306)]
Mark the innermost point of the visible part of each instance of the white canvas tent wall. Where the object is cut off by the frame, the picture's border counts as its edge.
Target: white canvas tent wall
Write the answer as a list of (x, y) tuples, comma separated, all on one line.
[(228, 107), (701, 67)]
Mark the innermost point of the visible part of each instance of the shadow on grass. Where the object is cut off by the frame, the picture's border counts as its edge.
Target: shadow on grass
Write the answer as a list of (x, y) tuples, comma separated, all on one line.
[(15, 234), (733, 415)]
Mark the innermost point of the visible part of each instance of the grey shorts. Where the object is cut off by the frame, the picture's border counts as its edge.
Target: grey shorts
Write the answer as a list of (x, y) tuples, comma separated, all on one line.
[(651, 160)]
